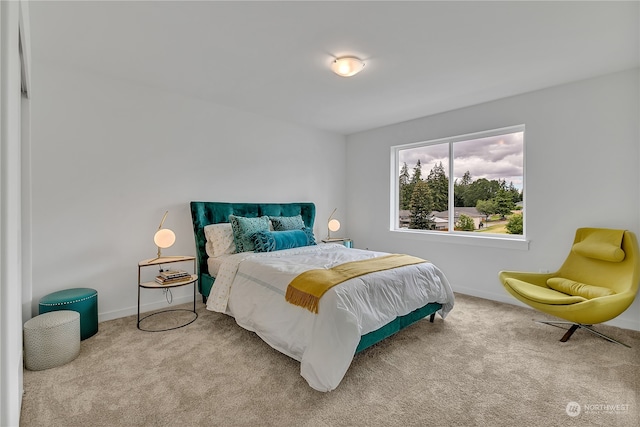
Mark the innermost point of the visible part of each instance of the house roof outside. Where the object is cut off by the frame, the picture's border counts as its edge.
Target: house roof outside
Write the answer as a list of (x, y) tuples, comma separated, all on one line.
[(472, 212)]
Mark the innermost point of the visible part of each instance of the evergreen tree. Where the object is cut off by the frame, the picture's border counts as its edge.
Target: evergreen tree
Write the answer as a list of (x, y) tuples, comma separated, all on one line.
[(458, 194), (404, 174), (404, 188), (417, 173), (516, 196), (461, 188), (439, 186), (421, 207), (503, 203), (466, 179)]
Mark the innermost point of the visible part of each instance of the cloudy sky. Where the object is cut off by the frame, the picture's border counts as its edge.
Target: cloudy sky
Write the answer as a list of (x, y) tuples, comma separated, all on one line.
[(496, 157)]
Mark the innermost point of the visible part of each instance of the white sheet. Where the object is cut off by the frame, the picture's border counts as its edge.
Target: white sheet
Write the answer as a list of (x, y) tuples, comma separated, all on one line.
[(251, 287), (214, 264)]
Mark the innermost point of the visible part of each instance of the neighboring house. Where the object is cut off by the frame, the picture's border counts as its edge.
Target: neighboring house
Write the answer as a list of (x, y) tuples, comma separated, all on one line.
[(441, 218), (473, 213), (405, 218), (441, 224)]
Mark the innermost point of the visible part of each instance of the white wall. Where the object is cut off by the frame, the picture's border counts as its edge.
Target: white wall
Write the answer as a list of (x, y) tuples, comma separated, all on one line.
[(110, 156), (581, 160)]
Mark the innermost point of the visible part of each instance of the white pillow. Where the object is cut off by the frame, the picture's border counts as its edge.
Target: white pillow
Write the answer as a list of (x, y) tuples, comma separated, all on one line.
[(219, 239)]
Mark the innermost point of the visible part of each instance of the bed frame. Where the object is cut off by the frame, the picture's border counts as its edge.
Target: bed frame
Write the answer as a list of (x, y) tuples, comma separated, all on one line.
[(205, 213)]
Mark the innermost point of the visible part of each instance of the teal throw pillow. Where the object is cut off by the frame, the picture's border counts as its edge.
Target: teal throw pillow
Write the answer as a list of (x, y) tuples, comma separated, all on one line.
[(269, 241), (243, 228)]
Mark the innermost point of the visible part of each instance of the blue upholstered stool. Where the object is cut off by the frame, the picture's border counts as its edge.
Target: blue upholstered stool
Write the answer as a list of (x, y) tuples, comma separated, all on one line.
[(82, 300)]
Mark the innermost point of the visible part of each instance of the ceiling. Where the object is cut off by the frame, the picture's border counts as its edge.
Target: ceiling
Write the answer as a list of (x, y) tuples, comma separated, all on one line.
[(273, 58)]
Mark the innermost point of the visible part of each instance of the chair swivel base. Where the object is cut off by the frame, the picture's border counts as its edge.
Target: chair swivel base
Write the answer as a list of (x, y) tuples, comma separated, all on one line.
[(574, 327)]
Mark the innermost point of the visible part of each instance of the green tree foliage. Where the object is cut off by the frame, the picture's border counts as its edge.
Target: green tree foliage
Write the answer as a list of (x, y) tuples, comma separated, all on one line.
[(405, 187), (405, 178), (460, 189), (423, 196), (516, 195), (481, 189), (421, 207), (503, 203), (465, 223), (466, 179), (458, 194), (439, 186), (486, 207), (514, 225), (417, 173)]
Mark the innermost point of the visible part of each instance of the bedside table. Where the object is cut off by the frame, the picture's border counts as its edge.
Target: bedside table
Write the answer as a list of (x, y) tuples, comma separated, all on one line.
[(346, 242), (192, 279)]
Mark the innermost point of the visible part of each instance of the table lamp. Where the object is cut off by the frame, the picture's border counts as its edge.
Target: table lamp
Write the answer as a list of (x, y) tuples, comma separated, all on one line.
[(332, 224), (163, 238)]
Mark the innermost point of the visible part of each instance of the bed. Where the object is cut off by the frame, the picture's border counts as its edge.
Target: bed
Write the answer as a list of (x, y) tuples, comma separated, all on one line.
[(250, 285)]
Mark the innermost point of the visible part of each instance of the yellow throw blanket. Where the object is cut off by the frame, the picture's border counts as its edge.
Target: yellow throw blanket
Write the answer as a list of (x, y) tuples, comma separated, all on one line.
[(306, 289)]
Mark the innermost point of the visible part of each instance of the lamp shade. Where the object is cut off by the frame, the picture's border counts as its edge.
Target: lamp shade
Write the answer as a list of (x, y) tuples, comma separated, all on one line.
[(164, 238), (347, 66), (334, 225)]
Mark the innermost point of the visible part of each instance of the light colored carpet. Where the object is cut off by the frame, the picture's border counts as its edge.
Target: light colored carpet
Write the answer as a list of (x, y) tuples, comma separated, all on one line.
[(487, 364)]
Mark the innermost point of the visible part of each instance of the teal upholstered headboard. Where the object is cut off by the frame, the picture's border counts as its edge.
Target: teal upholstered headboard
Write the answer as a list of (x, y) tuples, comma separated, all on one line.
[(205, 213)]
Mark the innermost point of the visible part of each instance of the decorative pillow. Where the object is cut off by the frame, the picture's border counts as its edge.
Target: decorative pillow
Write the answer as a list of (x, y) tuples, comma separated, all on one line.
[(283, 223), (269, 241), (570, 287), (541, 294), (602, 244), (219, 239), (598, 250), (244, 228)]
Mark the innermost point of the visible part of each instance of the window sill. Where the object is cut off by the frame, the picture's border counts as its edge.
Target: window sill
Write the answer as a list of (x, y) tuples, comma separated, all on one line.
[(487, 241)]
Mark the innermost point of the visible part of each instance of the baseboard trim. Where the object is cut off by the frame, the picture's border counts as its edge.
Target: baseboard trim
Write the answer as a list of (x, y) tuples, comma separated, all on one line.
[(130, 311)]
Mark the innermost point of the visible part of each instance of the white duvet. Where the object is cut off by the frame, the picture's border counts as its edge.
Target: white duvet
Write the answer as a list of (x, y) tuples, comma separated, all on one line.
[(251, 286)]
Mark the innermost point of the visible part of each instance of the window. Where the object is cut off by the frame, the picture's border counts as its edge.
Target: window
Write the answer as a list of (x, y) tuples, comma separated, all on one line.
[(485, 196)]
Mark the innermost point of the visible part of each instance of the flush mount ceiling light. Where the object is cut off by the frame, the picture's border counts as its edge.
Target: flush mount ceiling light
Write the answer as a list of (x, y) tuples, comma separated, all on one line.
[(347, 66)]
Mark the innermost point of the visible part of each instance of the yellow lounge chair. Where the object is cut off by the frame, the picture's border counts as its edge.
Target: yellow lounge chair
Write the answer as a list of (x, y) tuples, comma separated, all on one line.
[(597, 282)]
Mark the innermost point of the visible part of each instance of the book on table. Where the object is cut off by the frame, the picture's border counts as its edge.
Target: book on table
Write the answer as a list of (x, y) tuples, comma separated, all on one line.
[(173, 274), (163, 281)]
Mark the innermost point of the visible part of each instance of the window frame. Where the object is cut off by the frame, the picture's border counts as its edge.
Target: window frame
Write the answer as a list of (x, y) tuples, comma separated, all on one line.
[(511, 241)]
